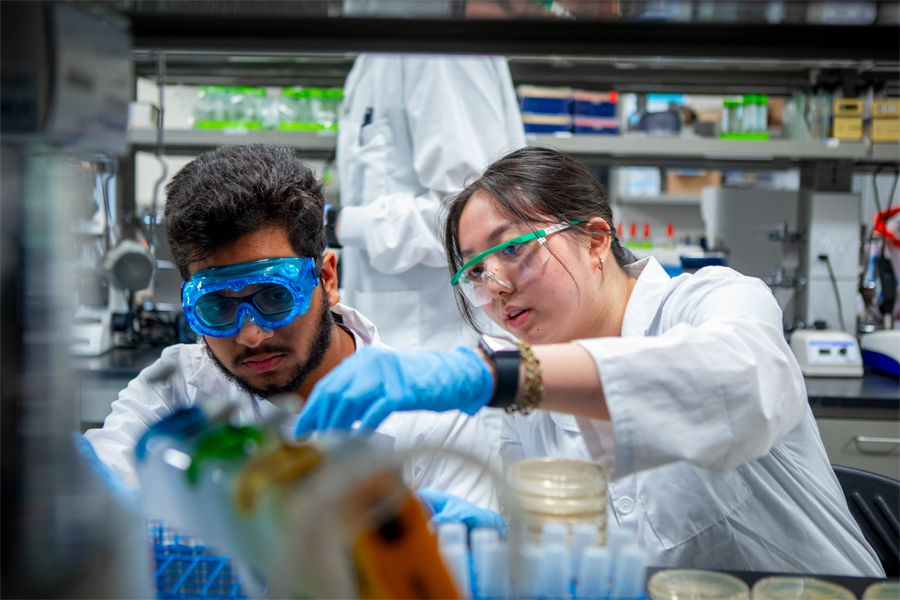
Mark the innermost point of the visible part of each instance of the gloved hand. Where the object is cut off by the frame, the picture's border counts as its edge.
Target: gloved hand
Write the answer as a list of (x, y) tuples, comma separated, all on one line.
[(447, 508), (374, 382), (112, 480)]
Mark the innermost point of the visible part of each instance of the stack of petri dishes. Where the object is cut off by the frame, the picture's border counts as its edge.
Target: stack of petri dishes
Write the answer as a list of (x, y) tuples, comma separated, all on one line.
[(692, 584), (799, 588), (559, 491)]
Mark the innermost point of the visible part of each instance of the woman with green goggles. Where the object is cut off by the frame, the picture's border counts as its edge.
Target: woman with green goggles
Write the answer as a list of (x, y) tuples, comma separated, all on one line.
[(684, 387)]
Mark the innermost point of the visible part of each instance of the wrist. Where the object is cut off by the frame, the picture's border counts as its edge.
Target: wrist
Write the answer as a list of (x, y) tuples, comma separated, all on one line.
[(504, 360)]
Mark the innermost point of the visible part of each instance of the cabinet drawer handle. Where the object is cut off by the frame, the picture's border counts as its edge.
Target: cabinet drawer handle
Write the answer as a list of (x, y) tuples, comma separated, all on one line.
[(864, 439), (876, 440)]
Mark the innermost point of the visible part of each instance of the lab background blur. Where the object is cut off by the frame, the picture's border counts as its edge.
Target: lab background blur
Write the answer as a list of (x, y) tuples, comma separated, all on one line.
[(718, 127)]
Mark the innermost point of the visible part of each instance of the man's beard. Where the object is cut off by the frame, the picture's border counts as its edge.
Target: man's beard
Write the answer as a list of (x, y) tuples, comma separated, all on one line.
[(301, 372)]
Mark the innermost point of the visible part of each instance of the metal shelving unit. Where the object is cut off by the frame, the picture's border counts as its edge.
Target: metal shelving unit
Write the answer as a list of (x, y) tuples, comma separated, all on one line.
[(641, 149)]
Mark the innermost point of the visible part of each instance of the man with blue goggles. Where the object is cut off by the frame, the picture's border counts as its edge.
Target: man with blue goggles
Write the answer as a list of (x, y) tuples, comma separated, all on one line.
[(245, 227), (269, 293)]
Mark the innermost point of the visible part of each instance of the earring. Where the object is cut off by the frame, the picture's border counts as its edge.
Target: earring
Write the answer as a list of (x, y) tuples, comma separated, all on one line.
[(601, 264)]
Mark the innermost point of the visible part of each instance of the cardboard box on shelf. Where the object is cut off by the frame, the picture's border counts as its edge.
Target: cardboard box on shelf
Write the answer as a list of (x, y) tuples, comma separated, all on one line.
[(691, 181)]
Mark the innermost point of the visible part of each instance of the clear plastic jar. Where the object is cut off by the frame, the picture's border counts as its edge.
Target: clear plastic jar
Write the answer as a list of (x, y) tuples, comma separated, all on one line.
[(556, 490), (818, 115), (731, 116), (762, 113), (300, 108), (330, 108), (750, 119)]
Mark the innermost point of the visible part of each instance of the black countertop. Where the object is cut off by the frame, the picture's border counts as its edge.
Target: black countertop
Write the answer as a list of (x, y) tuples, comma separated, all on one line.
[(118, 363), (872, 396)]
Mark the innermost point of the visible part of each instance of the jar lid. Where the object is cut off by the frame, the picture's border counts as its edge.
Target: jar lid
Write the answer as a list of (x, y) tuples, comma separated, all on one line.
[(557, 477), (799, 588), (692, 584)]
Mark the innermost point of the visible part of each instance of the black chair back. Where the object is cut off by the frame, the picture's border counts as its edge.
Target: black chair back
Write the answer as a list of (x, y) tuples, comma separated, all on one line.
[(874, 502)]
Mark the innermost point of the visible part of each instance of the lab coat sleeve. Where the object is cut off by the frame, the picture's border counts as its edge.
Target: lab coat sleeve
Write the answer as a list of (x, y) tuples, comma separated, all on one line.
[(457, 116), (152, 395), (428, 433), (718, 388)]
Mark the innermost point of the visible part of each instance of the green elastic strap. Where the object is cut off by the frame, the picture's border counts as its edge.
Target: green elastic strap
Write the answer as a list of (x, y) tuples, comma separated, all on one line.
[(454, 281)]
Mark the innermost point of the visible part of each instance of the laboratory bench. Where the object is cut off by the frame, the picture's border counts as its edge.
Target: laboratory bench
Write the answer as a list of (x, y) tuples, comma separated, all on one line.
[(858, 418)]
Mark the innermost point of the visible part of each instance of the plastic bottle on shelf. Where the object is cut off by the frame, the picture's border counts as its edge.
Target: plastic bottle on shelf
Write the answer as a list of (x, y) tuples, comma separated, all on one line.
[(750, 119), (762, 113)]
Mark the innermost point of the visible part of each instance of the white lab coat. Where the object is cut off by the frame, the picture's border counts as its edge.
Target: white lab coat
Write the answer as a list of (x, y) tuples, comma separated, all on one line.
[(195, 377), (717, 458), (435, 122)]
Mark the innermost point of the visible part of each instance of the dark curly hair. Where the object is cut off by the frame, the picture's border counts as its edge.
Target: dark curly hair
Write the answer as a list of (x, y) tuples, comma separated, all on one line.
[(227, 193), (538, 187)]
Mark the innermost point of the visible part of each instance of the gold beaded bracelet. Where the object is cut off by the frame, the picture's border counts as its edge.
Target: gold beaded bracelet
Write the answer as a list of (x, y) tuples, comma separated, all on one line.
[(533, 390)]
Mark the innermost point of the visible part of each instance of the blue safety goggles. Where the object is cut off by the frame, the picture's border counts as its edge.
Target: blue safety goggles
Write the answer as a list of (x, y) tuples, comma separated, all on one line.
[(269, 293)]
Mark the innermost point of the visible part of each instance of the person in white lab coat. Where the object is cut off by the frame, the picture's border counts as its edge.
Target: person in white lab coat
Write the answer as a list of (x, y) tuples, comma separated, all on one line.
[(684, 387), (232, 207), (412, 130)]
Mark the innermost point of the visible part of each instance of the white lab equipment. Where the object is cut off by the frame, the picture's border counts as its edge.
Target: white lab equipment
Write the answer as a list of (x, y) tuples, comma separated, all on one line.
[(827, 353), (881, 351), (595, 573), (528, 582), (483, 540), (456, 559), (554, 573), (629, 570), (493, 572), (584, 536), (452, 534)]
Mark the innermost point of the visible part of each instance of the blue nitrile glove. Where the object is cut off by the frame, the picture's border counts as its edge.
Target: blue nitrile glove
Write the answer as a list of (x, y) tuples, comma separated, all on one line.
[(447, 508), (374, 382), (113, 480)]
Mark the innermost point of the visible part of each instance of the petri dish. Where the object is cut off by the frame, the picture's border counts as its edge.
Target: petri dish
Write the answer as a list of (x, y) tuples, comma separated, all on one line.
[(693, 584), (799, 588), (557, 477), (883, 590)]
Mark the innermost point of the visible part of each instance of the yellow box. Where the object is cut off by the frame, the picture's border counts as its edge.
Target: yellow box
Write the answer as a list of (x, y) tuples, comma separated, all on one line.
[(886, 130), (886, 109), (848, 107), (886, 121), (847, 128)]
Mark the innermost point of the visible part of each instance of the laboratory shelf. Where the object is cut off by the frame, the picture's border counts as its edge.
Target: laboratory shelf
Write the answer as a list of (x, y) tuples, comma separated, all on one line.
[(625, 147), (716, 149), (208, 138), (662, 199)]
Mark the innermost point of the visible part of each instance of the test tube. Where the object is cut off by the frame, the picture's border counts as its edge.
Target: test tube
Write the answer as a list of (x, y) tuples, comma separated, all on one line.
[(584, 536), (481, 540), (555, 534), (452, 534), (629, 573), (555, 570), (593, 573), (527, 579), (493, 573), (456, 559)]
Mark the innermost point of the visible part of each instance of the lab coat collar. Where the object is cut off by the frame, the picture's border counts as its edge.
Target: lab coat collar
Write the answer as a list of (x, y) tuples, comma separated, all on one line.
[(208, 379), (646, 297)]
